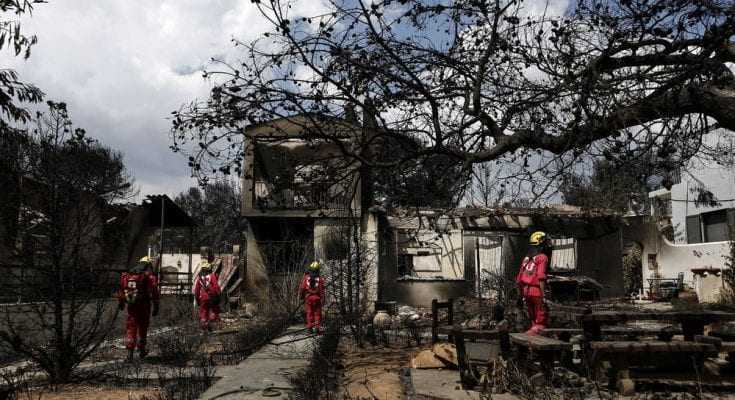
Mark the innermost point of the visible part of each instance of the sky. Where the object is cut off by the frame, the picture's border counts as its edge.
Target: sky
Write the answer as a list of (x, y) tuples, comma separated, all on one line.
[(123, 66)]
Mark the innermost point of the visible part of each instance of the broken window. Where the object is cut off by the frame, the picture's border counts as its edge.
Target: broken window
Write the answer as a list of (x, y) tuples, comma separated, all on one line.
[(694, 229), (428, 254), (405, 265), (713, 226), (564, 254), (492, 282)]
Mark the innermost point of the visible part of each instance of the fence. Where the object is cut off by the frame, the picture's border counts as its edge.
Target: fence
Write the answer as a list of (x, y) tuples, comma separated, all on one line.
[(22, 285), (323, 195)]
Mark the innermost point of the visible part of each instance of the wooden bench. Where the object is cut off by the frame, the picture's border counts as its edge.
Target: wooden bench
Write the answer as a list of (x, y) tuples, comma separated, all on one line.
[(720, 345), (546, 349), (471, 334), (622, 354), (692, 323), (538, 342), (726, 343), (630, 332), (634, 332)]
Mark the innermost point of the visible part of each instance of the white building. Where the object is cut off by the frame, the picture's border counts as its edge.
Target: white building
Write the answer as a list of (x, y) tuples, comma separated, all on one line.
[(701, 231)]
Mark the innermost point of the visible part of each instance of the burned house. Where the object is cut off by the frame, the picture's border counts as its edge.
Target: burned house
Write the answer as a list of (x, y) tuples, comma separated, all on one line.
[(298, 193), (476, 252), (303, 199)]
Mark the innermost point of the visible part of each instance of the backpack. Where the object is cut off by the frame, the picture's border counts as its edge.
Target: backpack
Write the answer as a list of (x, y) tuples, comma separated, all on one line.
[(214, 298), (135, 289)]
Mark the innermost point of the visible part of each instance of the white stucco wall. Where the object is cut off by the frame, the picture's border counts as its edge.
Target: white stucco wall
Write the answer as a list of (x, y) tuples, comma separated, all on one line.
[(671, 258), (720, 181), (717, 178), (709, 288)]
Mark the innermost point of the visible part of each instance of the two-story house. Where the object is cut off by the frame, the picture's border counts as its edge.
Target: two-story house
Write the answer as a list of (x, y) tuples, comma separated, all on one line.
[(299, 191)]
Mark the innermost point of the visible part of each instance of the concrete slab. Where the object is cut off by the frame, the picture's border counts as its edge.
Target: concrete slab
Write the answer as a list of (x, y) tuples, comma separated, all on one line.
[(444, 384), (266, 373)]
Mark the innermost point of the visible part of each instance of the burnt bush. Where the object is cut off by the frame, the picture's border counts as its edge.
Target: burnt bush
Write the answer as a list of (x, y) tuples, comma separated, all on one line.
[(318, 380), (17, 385), (186, 382), (179, 346)]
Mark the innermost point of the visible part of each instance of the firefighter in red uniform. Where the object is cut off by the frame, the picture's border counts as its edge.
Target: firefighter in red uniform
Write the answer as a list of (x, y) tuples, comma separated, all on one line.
[(139, 291), (531, 281), (207, 294), (312, 291)]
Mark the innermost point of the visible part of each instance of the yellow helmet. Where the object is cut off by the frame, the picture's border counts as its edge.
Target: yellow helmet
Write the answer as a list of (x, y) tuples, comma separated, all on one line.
[(145, 260), (537, 238), (314, 266), (206, 265)]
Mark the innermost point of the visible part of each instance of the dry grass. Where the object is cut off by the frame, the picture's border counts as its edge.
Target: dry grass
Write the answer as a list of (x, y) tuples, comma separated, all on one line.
[(83, 392), (373, 372)]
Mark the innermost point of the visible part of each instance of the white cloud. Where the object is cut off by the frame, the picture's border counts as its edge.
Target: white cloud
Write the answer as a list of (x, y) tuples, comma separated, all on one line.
[(123, 66), (544, 7)]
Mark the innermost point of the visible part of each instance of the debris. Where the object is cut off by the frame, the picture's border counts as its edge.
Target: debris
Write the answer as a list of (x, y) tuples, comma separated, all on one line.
[(573, 288), (408, 313), (446, 353), (426, 360), (474, 323), (250, 310)]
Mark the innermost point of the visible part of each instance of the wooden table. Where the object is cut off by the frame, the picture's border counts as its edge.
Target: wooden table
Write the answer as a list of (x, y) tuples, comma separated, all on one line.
[(692, 322), (547, 350), (623, 354)]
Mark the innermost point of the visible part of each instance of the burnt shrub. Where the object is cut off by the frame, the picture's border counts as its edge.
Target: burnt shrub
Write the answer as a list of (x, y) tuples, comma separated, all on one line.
[(318, 380), (179, 346)]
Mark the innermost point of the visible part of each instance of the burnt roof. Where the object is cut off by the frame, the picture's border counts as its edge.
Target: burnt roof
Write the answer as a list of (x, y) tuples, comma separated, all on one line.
[(173, 215), (567, 221)]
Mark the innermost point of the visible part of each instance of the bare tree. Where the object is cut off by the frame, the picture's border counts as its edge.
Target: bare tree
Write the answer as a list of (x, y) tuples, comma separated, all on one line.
[(216, 209), (286, 260), (609, 186), (480, 81), (14, 40), (350, 274), (65, 238)]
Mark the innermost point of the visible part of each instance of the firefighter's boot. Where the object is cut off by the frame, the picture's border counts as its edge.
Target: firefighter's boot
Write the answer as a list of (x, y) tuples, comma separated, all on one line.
[(131, 355)]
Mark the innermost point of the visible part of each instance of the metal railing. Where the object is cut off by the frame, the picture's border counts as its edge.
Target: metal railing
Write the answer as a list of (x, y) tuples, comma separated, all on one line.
[(306, 196)]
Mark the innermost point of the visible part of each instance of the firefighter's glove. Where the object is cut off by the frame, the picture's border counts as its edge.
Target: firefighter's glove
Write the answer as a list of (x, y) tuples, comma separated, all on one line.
[(155, 309), (120, 306)]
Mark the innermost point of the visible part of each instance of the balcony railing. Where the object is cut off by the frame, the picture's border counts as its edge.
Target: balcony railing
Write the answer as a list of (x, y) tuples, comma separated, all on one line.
[(296, 197)]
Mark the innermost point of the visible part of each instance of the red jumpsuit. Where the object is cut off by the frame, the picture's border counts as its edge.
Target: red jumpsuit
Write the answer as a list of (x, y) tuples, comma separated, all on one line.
[(312, 295), (139, 291), (204, 288), (532, 272)]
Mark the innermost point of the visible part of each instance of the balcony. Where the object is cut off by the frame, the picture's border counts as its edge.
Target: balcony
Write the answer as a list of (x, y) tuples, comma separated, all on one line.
[(324, 196)]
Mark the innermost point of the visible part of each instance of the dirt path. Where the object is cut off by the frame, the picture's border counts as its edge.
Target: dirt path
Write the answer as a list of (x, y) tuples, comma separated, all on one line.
[(373, 372)]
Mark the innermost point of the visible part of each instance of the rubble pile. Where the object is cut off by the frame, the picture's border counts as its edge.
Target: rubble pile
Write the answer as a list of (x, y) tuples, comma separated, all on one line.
[(440, 356)]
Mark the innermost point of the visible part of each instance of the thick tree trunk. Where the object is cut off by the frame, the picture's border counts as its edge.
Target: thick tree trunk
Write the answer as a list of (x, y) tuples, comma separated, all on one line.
[(718, 102)]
